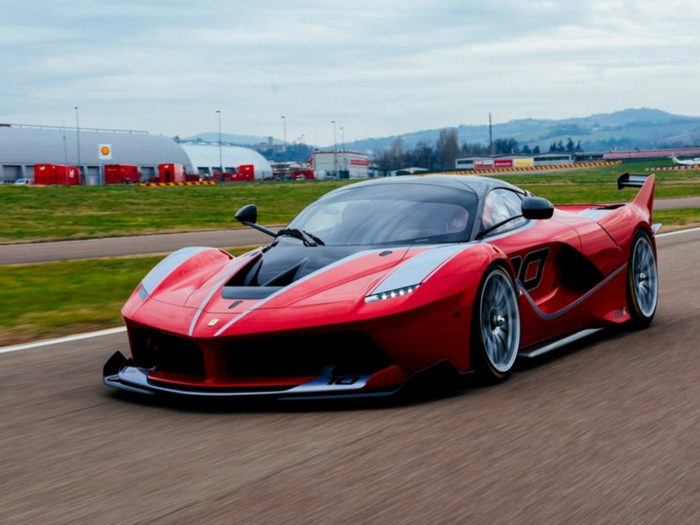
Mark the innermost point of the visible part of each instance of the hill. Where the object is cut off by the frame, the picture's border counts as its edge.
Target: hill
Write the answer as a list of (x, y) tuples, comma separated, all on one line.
[(626, 129)]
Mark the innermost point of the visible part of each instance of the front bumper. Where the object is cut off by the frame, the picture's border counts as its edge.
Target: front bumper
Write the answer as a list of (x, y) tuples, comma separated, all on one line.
[(120, 372)]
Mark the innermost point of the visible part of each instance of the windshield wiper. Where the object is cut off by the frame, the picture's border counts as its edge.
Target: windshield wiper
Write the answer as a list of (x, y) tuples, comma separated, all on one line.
[(308, 239), (485, 232)]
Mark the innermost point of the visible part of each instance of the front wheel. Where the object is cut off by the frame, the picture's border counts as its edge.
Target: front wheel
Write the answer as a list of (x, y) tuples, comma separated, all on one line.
[(495, 337), (642, 281)]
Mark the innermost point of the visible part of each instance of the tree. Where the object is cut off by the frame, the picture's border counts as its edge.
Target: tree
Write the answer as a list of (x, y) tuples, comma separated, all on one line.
[(447, 148), (506, 146), (423, 156), (526, 150), (536, 151)]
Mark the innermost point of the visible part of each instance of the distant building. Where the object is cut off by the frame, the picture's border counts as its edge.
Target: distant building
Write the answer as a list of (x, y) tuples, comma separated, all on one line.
[(513, 161), (23, 147), (204, 159), (341, 164)]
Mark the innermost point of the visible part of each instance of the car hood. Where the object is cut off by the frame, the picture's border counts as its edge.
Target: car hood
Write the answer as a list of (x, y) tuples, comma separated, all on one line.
[(207, 279), (210, 289)]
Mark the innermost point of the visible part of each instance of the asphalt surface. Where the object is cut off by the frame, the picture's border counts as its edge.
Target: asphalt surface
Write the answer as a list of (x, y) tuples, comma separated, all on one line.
[(605, 431), (126, 246), (167, 243)]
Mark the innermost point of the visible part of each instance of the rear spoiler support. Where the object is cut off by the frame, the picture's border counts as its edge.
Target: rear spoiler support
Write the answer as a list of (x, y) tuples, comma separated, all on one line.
[(630, 180)]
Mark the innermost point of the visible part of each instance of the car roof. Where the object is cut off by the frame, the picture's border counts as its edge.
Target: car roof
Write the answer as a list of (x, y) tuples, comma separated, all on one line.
[(479, 185)]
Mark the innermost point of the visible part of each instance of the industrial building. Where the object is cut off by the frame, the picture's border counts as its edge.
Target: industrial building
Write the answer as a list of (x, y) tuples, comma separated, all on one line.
[(23, 147), (513, 161), (341, 164)]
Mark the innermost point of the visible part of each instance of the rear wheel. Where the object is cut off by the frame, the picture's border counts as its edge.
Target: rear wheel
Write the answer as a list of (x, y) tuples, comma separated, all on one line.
[(495, 326), (642, 281)]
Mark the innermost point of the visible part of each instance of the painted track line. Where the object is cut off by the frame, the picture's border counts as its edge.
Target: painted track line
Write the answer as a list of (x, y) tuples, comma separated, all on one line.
[(49, 342), (111, 331), (678, 232)]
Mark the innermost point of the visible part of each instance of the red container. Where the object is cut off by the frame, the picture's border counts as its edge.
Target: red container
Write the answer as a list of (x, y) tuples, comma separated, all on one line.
[(171, 173), (122, 174), (247, 172), (56, 174), (192, 177)]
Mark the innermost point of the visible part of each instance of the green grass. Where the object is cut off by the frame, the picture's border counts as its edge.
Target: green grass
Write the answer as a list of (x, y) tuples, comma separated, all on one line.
[(678, 219), (55, 212), (32, 213), (53, 299)]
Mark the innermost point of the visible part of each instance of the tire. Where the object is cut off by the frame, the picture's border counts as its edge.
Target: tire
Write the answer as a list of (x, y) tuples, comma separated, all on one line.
[(642, 281), (495, 338)]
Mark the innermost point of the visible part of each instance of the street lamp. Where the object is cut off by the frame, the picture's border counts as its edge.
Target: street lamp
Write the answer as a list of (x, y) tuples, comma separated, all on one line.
[(335, 152), (77, 133), (221, 156), (284, 122), (345, 157)]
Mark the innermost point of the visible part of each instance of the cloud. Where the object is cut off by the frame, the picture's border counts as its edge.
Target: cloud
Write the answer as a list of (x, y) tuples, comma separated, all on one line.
[(376, 67)]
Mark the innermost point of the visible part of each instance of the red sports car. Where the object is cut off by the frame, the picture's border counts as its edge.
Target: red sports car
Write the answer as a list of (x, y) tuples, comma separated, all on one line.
[(379, 281)]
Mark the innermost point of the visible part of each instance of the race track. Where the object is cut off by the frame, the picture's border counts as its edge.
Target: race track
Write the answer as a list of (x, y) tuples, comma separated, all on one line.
[(606, 431)]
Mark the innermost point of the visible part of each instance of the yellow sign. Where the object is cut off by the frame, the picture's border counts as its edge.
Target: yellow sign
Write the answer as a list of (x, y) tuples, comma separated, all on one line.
[(523, 163), (105, 151)]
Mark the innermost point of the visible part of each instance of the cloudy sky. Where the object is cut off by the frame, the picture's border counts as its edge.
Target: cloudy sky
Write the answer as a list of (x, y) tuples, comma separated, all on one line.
[(376, 67)]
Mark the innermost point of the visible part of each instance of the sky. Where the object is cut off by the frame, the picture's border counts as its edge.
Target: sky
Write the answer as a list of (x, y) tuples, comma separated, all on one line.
[(376, 68)]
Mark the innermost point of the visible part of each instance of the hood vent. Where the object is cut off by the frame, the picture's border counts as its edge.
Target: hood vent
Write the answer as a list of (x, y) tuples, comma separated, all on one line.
[(246, 283)]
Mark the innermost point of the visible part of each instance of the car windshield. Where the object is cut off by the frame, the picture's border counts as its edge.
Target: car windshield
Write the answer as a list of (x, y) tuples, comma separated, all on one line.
[(390, 214)]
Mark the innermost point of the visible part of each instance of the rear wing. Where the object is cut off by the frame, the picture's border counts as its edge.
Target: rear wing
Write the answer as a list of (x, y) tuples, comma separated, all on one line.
[(630, 180), (618, 222)]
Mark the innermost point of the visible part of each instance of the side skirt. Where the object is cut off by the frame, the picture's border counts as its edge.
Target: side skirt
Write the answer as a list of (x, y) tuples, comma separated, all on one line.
[(548, 347)]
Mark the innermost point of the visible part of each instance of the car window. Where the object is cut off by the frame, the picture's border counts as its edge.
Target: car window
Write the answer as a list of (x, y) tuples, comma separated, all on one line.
[(500, 205), (390, 214)]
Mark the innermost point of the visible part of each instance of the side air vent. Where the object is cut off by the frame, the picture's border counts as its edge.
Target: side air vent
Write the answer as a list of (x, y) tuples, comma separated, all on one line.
[(166, 353), (577, 272)]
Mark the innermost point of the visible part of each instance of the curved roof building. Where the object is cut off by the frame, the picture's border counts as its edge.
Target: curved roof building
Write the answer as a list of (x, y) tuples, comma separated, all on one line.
[(205, 159), (22, 147)]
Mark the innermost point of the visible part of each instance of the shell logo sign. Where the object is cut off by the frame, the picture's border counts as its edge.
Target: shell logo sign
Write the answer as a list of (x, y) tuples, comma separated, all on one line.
[(105, 151)]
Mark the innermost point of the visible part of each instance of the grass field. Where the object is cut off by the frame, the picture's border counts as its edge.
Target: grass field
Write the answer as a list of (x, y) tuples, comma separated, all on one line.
[(54, 299), (32, 213)]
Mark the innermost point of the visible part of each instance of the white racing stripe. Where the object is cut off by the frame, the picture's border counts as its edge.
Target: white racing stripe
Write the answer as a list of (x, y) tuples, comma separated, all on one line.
[(79, 337)]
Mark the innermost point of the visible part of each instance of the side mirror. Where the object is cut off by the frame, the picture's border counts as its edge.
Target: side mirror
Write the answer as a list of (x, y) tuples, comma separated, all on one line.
[(248, 213), (537, 208)]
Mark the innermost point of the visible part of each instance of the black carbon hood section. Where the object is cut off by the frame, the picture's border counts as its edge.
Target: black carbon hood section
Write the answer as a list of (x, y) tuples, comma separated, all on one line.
[(287, 262)]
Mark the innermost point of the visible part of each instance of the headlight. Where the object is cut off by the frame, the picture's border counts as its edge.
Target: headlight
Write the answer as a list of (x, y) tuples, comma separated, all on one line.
[(391, 294)]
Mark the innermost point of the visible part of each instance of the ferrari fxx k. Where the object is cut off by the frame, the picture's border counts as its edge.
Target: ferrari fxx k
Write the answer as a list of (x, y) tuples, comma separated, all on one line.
[(378, 281)]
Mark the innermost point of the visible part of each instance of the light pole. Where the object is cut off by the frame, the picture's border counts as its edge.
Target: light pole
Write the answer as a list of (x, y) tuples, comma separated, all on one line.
[(335, 152), (221, 155), (284, 123), (77, 133), (65, 147), (345, 157)]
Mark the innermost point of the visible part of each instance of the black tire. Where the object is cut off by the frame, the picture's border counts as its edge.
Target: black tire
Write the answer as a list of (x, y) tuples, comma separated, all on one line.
[(495, 333), (642, 281)]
